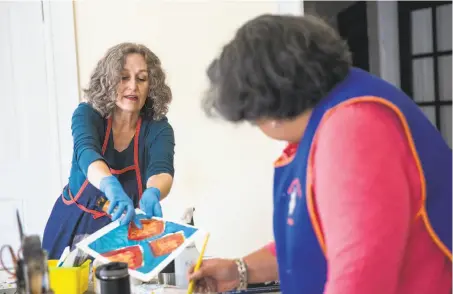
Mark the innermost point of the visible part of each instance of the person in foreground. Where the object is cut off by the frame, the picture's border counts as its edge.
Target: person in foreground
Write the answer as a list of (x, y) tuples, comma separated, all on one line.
[(123, 148), (362, 193)]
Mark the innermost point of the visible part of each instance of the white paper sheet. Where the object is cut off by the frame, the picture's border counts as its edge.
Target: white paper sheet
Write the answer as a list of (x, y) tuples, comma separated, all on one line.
[(144, 258)]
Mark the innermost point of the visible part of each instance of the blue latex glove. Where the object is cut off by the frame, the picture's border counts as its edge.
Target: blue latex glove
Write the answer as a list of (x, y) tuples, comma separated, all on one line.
[(119, 201), (150, 202)]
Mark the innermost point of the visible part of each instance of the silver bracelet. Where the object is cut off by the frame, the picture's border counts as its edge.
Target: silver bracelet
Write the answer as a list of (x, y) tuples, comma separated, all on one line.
[(243, 277)]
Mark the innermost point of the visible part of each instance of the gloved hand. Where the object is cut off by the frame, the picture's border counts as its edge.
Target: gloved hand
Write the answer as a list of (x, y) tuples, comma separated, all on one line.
[(119, 201), (150, 202)]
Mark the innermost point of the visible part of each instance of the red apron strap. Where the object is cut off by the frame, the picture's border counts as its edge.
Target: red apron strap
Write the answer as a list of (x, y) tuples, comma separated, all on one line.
[(97, 214), (73, 200), (122, 171), (107, 135), (136, 162)]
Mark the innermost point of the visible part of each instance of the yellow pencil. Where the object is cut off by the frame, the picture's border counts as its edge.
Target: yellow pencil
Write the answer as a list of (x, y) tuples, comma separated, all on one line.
[(198, 264)]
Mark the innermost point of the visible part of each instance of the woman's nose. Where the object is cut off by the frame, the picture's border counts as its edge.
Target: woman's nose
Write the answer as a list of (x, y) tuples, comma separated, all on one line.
[(132, 84)]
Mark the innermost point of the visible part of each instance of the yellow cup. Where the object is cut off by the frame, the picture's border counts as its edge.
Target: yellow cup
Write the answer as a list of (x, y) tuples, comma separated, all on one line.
[(69, 280)]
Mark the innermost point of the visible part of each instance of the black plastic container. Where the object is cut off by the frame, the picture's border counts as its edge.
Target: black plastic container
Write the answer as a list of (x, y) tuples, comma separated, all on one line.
[(113, 278)]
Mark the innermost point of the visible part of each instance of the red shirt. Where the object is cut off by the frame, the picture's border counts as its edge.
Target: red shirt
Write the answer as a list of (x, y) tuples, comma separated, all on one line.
[(367, 193)]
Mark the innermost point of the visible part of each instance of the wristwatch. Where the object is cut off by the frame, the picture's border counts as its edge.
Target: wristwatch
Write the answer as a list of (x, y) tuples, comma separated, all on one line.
[(243, 277)]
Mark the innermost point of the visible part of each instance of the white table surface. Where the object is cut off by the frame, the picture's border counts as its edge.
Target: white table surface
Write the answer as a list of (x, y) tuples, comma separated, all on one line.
[(8, 286)]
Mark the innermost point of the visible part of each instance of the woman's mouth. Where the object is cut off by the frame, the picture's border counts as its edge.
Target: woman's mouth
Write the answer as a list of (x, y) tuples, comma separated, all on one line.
[(131, 97)]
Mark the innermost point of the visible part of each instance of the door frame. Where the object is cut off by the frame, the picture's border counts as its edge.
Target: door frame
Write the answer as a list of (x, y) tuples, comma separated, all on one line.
[(290, 7), (53, 21), (63, 75)]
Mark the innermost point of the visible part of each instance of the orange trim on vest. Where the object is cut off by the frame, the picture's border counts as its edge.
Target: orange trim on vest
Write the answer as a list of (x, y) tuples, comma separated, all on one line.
[(97, 214), (422, 212), (287, 156)]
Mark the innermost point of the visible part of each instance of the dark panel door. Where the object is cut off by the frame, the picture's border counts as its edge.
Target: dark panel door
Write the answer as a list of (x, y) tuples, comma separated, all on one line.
[(352, 26)]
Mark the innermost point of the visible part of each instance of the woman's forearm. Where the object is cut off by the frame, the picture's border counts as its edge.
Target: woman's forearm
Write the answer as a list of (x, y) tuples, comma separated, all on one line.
[(163, 182), (97, 170), (261, 266)]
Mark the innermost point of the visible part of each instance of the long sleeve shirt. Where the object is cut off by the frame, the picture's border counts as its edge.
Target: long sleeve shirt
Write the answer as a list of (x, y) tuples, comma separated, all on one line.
[(367, 194), (156, 147)]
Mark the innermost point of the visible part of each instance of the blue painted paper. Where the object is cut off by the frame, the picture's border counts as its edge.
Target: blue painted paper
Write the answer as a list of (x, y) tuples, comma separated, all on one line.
[(118, 239)]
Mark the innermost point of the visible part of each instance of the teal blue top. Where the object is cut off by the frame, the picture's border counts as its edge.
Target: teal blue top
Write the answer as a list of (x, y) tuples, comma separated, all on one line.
[(156, 147)]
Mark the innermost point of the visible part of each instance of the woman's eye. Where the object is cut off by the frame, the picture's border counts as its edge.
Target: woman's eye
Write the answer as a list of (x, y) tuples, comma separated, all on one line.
[(142, 79), (124, 78)]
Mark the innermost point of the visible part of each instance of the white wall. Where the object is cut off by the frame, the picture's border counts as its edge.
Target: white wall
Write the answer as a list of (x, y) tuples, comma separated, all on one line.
[(224, 171)]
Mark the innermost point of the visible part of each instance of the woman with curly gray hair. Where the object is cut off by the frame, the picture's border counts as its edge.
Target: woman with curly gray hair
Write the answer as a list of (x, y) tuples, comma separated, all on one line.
[(362, 193), (123, 149)]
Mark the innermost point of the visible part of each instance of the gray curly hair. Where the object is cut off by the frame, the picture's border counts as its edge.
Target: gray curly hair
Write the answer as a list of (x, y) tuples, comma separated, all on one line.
[(102, 89)]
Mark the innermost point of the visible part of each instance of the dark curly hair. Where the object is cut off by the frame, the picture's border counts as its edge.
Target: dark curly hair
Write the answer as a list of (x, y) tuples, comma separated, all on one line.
[(276, 67), (102, 89)]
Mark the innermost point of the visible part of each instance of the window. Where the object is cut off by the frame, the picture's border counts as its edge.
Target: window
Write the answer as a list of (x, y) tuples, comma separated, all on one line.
[(426, 59)]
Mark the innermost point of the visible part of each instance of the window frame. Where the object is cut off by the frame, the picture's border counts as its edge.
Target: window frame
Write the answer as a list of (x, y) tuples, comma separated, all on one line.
[(405, 9)]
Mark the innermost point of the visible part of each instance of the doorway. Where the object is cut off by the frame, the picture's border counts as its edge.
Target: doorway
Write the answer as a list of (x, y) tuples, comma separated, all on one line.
[(350, 20), (353, 27), (38, 77)]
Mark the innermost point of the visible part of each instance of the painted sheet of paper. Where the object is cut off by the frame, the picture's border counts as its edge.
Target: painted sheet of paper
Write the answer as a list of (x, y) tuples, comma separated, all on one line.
[(148, 250)]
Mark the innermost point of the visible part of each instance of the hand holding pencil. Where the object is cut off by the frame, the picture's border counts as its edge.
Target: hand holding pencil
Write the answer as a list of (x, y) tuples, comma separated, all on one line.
[(198, 264), (213, 275)]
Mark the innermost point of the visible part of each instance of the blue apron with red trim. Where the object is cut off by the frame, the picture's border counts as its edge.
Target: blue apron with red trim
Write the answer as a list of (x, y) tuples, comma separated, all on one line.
[(73, 219), (299, 242)]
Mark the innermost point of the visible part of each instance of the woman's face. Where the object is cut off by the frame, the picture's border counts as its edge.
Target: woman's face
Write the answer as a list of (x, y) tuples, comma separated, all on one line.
[(134, 85), (272, 129), (285, 130)]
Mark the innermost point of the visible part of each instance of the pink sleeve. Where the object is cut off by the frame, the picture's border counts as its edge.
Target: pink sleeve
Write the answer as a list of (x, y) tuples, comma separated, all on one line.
[(363, 198), (271, 248)]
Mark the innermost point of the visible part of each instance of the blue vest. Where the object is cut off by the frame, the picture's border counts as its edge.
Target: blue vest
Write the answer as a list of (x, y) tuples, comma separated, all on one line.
[(298, 238)]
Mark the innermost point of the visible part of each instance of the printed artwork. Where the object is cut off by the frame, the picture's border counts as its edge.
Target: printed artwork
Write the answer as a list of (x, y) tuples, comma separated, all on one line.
[(147, 251), (167, 244), (132, 255), (151, 228)]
